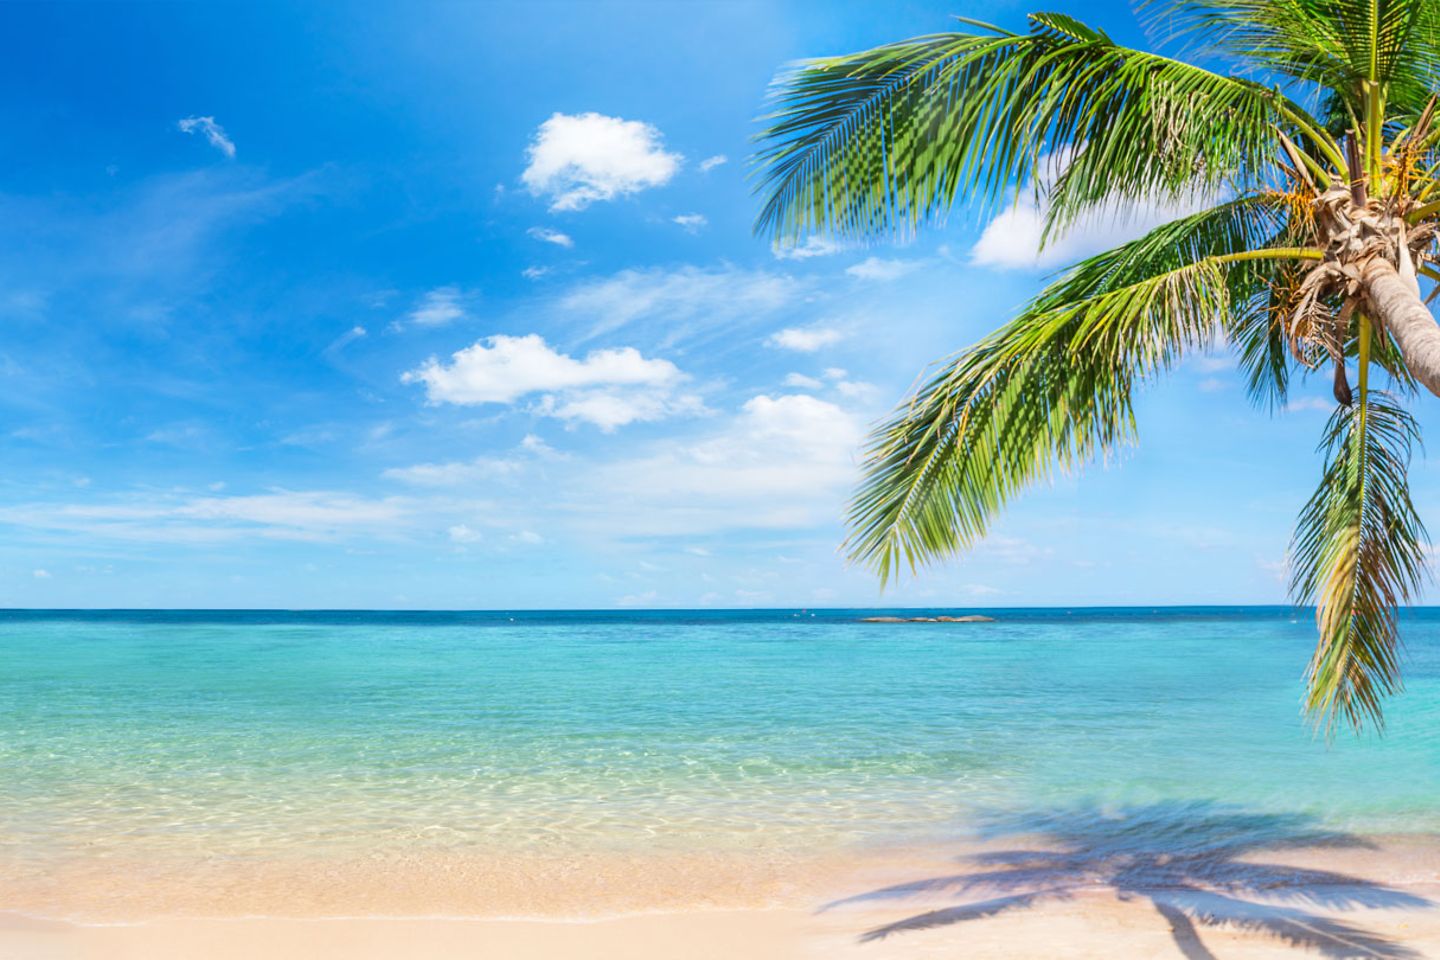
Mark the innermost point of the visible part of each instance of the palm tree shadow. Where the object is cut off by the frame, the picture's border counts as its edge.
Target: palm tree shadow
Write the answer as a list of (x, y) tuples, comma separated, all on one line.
[(1189, 861)]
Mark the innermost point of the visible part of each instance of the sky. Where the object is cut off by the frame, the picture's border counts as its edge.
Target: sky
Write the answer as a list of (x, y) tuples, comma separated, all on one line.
[(437, 306)]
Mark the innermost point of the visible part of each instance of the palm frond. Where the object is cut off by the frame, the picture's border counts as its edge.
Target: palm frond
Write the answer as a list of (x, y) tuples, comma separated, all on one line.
[(1338, 45), (887, 139), (1257, 331), (1052, 389), (1359, 552), (1263, 298)]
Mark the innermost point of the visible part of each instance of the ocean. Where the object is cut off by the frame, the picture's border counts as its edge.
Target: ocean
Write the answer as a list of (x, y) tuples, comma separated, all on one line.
[(209, 736)]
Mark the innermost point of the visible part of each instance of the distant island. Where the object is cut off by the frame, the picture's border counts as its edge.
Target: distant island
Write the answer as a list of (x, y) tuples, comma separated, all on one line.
[(972, 618)]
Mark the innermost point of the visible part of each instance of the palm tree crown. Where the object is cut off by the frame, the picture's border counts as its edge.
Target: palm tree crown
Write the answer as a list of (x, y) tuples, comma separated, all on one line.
[(1309, 128)]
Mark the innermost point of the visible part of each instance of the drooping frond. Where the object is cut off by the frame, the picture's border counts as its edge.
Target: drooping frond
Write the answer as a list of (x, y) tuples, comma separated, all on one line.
[(887, 139), (1338, 45), (1050, 389), (1358, 552)]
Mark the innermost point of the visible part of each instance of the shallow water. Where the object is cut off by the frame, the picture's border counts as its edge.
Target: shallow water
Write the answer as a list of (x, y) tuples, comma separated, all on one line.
[(225, 734)]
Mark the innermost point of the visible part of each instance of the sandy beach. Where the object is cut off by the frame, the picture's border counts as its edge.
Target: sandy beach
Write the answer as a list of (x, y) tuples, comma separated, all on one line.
[(1372, 899), (1089, 929)]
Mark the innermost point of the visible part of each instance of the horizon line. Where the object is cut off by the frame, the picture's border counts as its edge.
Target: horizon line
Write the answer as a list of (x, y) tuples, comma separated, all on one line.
[(774, 609)]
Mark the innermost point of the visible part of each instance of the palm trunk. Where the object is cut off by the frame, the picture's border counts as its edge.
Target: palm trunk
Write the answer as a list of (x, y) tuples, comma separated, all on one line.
[(1395, 301)]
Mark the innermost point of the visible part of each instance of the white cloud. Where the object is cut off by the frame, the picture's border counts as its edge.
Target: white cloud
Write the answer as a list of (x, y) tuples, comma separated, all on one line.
[(805, 339), (682, 299), (502, 369), (536, 446), (530, 450), (356, 332), (876, 268), (814, 246), (528, 537), (691, 222), (534, 273), (856, 389), (546, 235), (579, 159), (456, 473), (316, 510), (438, 308), (1012, 240), (460, 533), (213, 132), (609, 409), (783, 461), (40, 574), (609, 388), (710, 163), (802, 381), (1213, 385)]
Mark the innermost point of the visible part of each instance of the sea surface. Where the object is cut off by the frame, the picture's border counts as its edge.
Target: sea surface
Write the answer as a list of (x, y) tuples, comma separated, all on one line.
[(224, 734)]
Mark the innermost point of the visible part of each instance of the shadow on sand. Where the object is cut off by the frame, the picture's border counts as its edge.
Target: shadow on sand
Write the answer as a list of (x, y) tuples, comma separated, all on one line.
[(1190, 861)]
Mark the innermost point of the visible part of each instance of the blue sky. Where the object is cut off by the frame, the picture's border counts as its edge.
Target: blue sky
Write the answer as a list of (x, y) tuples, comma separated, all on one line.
[(458, 306)]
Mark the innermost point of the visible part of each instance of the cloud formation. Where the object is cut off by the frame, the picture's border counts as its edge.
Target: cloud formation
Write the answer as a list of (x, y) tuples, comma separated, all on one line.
[(782, 462), (456, 473), (1012, 241), (681, 298), (805, 339), (546, 235), (438, 308), (213, 132), (608, 388), (877, 268), (814, 246), (577, 160)]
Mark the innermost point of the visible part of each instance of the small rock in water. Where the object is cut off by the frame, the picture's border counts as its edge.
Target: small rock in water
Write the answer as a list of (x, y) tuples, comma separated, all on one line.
[(969, 618)]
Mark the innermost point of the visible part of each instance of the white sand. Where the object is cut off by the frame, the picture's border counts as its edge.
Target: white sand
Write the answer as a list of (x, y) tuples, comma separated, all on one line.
[(1098, 927), (915, 904)]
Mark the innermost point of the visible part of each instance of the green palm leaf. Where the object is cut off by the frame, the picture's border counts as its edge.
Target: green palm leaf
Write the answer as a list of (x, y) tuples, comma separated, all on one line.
[(1342, 46), (1052, 389), (1359, 551), (886, 139)]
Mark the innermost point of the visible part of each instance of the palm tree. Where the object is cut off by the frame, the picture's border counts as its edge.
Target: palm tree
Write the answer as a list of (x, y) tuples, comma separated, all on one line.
[(1307, 126)]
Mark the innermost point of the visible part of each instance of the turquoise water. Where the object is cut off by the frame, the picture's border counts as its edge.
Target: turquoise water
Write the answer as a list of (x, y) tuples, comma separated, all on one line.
[(220, 733)]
